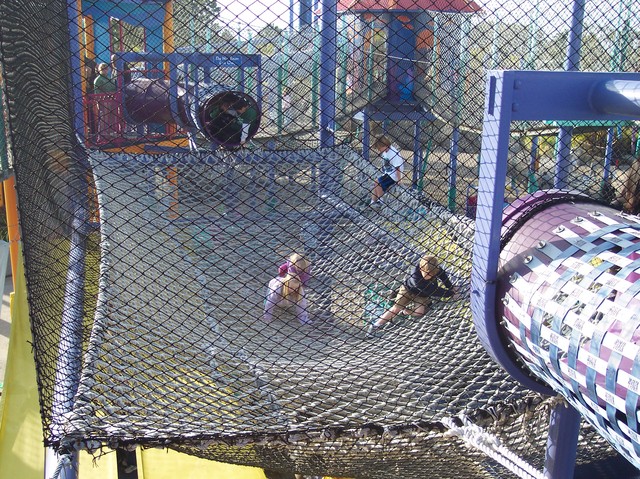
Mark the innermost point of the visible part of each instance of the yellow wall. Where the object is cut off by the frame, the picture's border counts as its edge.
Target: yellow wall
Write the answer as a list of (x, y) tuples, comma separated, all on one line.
[(21, 440)]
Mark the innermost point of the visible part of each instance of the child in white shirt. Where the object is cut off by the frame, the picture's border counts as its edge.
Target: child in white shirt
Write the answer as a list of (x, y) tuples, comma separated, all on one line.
[(392, 168)]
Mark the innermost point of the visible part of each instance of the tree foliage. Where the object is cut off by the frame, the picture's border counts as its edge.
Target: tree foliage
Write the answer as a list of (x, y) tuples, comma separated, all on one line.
[(194, 22)]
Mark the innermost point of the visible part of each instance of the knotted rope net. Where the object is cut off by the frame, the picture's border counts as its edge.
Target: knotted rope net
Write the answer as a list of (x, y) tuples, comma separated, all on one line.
[(178, 347)]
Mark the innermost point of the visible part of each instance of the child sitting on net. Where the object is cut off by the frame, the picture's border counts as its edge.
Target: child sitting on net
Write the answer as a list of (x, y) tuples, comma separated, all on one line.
[(420, 285), (297, 264), (288, 289)]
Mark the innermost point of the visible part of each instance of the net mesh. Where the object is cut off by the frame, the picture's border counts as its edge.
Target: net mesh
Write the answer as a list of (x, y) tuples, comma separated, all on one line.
[(149, 246)]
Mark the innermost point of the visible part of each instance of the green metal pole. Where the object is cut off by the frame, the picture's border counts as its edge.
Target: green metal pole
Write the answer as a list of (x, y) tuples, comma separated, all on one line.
[(279, 89), (621, 44), (250, 50), (239, 46), (532, 54), (425, 160), (458, 98)]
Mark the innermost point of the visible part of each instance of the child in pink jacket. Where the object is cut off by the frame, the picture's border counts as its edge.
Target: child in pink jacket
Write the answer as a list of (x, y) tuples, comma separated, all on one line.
[(288, 289)]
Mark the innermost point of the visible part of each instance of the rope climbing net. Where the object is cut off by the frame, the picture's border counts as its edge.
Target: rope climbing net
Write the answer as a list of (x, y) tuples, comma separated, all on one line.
[(178, 346)]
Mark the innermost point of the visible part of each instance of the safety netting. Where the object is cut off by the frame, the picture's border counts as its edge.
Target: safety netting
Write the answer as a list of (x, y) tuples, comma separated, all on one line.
[(151, 232)]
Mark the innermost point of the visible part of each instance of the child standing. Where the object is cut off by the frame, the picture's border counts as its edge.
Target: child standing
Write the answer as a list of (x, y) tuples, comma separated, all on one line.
[(288, 289), (420, 285), (392, 168), (102, 83)]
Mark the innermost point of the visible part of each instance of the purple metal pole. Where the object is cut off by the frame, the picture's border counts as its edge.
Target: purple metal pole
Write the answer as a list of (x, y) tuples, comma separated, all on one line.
[(486, 251), (617, 96), (575, 36), (328, 51), (291, 17), (560, 458)]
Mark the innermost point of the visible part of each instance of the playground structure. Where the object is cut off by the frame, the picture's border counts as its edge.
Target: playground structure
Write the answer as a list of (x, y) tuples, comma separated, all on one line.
[(565, 264), (148, 258), (150, 102)]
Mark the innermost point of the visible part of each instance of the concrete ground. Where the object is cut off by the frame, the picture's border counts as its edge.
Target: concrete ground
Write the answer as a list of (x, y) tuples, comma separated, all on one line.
[(5, 325)]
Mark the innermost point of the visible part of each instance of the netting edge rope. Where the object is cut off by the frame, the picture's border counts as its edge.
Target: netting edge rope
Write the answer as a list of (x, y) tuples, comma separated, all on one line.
[(476, 437)]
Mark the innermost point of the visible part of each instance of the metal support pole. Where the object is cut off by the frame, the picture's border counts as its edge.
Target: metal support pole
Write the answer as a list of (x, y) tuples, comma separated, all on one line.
[(423, 165), (560, 458), (453, 167), (532, 183), (13, 226), (369, 59), (328, 73), (417, 154), (366, 135), (608, 158), (572, 64)]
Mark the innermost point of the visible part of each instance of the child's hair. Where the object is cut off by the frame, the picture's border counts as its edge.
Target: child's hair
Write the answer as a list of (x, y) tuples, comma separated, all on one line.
[(103, 66), (292, 287), (429, 264), (300, 263), (382, 141)]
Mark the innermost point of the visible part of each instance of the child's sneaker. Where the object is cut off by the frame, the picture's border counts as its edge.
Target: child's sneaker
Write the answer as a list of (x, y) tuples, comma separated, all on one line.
[(374, 331)]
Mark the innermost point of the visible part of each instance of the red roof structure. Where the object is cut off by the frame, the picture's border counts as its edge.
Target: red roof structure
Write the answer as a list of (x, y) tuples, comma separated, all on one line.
[(360, 6)]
